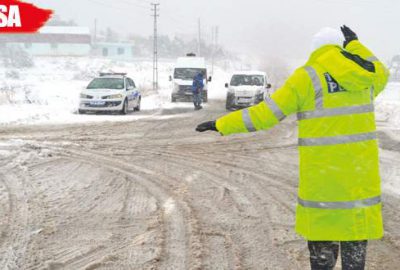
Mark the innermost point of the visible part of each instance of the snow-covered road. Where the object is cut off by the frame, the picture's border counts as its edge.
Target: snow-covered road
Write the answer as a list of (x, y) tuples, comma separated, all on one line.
[(153, 194)]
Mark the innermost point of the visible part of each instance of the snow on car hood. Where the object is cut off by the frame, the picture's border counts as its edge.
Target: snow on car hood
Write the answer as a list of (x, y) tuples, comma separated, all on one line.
[(101, 92), (246, 89), (250, 88)]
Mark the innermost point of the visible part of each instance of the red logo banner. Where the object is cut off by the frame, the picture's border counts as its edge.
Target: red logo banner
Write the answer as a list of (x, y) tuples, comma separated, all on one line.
[(19, 17)]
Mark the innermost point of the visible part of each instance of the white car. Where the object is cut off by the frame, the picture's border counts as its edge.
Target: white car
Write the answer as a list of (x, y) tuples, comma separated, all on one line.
[(110, 92), (246, 88)]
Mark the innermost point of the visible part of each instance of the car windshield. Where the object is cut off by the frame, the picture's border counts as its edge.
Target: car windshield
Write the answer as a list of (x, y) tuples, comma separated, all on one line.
[(238, 80), (107, 83), (188, 73)]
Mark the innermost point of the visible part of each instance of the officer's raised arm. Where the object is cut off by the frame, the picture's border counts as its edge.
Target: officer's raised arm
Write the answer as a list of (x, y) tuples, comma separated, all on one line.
[(284, 102), (355, 47)]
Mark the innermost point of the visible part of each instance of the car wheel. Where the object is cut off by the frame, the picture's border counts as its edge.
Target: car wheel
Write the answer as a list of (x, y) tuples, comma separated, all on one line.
[(229, 99), (173, 99), (124, 110), (137, 108), (81, 111)]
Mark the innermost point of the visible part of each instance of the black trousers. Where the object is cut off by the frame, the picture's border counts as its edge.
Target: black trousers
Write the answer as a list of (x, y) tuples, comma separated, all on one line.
[(324, 254)]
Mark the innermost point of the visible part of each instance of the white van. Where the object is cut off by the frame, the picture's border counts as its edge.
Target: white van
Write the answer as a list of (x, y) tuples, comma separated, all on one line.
[(186, 68), (246, 88)]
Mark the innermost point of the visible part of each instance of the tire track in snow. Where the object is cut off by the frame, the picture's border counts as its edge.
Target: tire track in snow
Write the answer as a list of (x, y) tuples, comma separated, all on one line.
[(175, 256)]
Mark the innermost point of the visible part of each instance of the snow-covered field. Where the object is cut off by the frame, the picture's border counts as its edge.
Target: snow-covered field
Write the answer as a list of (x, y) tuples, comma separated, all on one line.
[(49, 92)]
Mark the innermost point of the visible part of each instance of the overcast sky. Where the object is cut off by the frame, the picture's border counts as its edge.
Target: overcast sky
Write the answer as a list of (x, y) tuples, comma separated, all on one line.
[(277, 27)]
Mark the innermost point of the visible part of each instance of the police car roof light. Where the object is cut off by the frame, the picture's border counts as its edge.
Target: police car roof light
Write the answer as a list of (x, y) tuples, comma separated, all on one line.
[(102, 74)]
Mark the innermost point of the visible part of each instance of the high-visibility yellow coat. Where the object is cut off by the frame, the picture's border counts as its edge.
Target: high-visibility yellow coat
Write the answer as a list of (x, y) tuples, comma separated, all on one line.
[(339, 197)]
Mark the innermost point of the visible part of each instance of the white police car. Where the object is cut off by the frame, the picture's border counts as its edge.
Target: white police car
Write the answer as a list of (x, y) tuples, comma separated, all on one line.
[(110, 92)]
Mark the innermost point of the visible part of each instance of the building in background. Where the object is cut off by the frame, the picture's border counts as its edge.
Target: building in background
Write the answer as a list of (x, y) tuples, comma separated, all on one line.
[(114, 50), (53, 41), (68, 41)]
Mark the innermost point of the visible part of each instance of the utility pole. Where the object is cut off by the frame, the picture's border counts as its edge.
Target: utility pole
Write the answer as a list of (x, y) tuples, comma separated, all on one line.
[(95, 31), (199, 40), (155, 14), (216, 36), (212, 49), (214, 45)]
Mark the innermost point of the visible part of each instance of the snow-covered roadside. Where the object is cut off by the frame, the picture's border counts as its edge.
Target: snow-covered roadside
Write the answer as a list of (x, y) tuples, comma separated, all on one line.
[(388, 115), (7, 148), (388, 106), (390, 171)]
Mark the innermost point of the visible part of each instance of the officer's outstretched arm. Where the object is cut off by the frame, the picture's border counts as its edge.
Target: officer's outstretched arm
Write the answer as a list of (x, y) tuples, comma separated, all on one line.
[(381, 71), (270, 112)]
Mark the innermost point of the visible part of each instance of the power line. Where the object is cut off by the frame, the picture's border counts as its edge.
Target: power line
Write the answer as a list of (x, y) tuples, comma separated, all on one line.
[(108, 5), (155, 9), (134, 4), (176, 19)]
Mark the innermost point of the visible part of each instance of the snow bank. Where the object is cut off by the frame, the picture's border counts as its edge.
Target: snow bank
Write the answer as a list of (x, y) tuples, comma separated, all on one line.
[(388, 106)]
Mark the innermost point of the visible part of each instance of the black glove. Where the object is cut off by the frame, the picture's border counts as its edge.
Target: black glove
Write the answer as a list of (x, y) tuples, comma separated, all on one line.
[(349, 35), (206, 126)]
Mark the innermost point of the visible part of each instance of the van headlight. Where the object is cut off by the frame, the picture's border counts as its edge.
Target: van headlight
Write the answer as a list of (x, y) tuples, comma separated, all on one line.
[(118, 96), (176, 88), (260, 96)]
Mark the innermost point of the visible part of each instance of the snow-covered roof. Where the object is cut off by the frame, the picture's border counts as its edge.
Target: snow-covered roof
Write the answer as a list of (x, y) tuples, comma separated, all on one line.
[(72, 30), (190, 62), (250, 72)]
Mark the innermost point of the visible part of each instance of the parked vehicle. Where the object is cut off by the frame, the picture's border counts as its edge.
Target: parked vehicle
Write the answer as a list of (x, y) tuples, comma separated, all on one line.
[(395, 69), (186, 68), (111, 92), (246, 89)]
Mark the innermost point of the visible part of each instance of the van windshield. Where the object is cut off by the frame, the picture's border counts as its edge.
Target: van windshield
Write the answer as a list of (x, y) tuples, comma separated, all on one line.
[(257, 80), (188, 73), (107, 83)]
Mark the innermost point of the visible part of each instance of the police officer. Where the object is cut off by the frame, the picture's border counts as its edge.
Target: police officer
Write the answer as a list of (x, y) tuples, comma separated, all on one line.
[(197, 89), (339, 200)]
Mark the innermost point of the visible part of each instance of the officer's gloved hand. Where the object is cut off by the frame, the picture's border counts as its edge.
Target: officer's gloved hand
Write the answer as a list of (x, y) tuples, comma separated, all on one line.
[(349, 35), (211, 125)]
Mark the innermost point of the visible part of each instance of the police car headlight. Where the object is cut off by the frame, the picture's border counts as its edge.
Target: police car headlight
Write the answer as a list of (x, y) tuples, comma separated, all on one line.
[(86, 96), (118, 96)]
